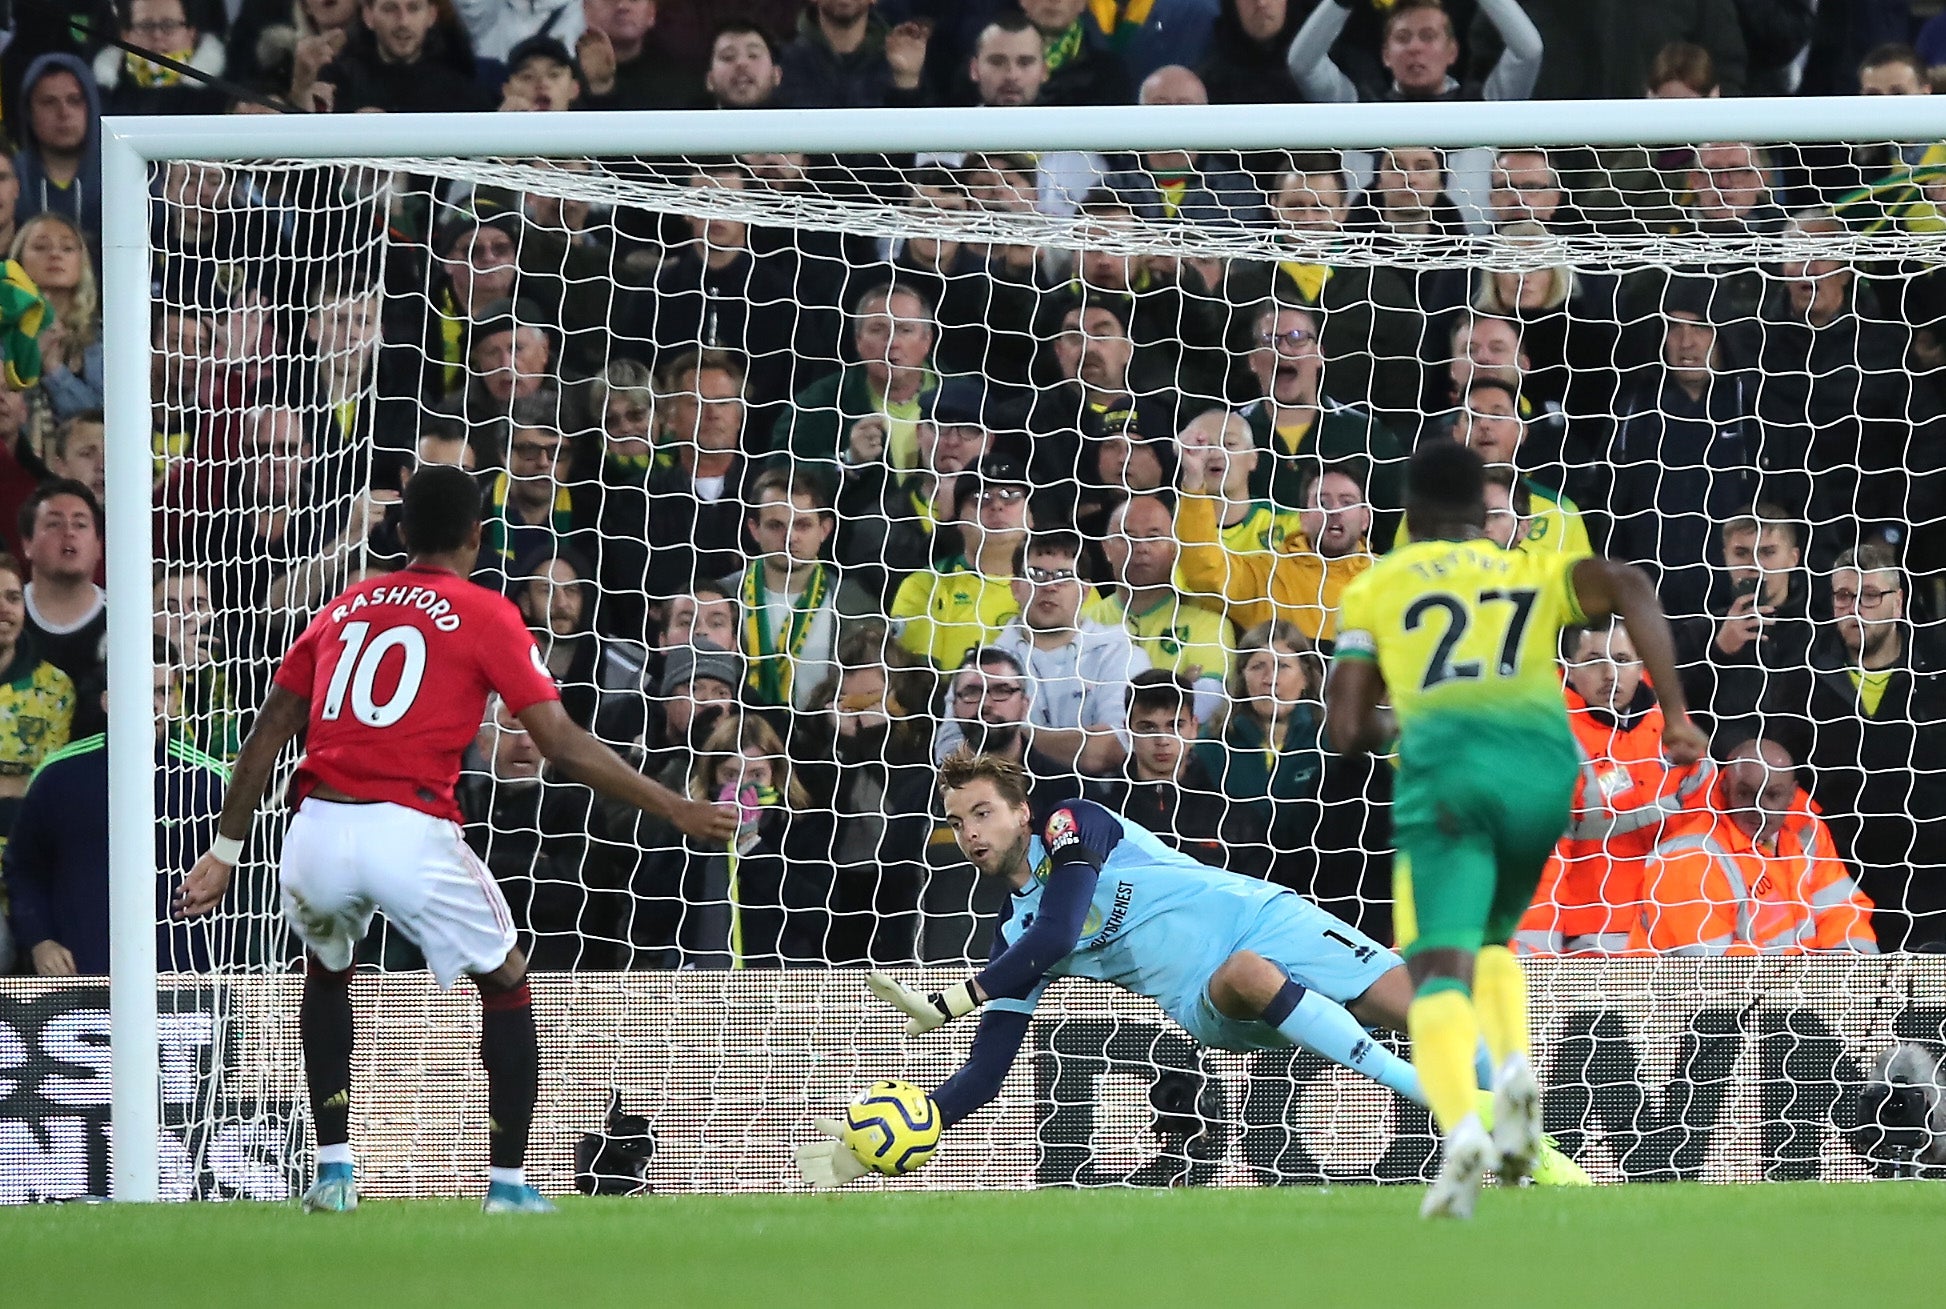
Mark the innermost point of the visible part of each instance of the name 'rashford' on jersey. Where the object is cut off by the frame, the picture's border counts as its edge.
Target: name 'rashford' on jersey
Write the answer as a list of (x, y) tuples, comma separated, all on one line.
[(398, 670)]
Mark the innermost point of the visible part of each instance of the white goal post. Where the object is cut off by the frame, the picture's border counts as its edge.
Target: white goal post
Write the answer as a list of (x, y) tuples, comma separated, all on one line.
[(131, 146)]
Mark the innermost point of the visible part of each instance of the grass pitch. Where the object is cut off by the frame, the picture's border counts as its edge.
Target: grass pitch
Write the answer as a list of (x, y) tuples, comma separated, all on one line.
[(1634, 1245)]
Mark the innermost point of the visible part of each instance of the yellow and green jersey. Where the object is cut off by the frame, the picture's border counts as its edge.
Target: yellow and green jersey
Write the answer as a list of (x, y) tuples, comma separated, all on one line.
[(1554, 524), (945, 612), (36, 713), (1174, 633), (1262, 529), (1465, 635)]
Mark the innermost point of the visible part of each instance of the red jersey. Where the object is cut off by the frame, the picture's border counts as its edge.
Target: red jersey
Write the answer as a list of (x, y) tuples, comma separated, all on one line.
[(398, 670)]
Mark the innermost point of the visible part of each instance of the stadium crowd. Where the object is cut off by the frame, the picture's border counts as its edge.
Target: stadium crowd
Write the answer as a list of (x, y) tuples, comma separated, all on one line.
[(792, 514)]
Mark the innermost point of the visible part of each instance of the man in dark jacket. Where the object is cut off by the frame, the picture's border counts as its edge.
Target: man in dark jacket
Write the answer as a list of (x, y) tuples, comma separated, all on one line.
[(59, 163), (1869, 715), (846, 57), (396, 64), (695, 509), (55, 868), (715, 292), (1838, 405), (1730, 657), (540, 837), (1684, 458), (1245, 61), (1165, 787)]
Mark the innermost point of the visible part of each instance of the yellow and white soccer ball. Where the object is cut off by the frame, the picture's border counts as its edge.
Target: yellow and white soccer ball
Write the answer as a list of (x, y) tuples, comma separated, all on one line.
[(894, 1127)]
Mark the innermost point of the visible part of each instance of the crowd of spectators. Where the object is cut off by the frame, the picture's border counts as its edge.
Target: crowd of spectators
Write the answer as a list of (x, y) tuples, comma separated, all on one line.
[(792, 514)]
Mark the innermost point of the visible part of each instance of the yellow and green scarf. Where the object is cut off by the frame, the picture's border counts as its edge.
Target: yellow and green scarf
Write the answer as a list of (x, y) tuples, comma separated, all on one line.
[(772, 664), (499, 537), (22, 315)]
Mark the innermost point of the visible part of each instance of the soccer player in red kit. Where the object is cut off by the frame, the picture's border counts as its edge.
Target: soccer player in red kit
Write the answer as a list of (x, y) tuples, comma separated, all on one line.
[(392, 679)]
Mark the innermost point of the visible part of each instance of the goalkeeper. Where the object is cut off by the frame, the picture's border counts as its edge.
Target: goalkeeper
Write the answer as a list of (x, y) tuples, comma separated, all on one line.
[(1240, 964)]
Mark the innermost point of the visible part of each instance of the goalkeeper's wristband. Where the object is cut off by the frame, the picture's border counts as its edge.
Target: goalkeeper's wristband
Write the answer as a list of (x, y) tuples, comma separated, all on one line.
[(956, 1001), (228, 849)]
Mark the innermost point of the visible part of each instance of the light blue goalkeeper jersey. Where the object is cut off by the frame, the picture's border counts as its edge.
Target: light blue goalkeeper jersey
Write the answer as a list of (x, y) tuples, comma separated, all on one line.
[(1159, 923)]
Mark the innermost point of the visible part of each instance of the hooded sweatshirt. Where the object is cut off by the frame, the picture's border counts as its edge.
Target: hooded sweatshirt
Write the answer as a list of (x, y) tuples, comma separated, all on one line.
[(80, 199)]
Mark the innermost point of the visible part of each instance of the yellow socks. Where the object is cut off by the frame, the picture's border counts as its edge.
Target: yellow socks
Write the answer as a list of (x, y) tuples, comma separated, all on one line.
[(1500, 999), (1445, 1033)]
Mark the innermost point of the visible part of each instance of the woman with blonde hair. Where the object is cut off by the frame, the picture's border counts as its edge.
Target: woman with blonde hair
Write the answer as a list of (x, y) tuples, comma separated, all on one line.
[(52, 251)]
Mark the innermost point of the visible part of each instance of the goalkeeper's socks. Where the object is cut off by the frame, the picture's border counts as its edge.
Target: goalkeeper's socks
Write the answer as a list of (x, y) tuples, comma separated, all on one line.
[(510, 1049), (1500, 997), (324, 1028), (1445, 1034), (1326, 1027)]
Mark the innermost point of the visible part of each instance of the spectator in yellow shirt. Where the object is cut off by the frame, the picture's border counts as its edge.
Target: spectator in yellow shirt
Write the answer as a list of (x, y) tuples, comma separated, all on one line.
[(1299, 582), (942, 613), (1165, 624)]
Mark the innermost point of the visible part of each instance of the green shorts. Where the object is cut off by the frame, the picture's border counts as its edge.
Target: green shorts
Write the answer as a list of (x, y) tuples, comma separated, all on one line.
[(1473, 832)]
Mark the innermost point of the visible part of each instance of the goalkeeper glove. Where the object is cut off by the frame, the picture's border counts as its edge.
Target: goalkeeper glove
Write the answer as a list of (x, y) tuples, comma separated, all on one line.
[(831, 1162), (923, 1012)]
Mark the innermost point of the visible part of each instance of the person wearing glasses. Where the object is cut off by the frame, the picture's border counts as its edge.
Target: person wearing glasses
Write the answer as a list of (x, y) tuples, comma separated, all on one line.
[(986, 710), (1297, 423), (1075, 670), (1869, 717), (529, 507), (943, 612), (1590, 893), (133, 84)]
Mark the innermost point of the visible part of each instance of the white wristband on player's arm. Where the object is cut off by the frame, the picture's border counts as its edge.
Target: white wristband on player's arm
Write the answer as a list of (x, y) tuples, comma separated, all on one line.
[(924, 1012), (228, 849)]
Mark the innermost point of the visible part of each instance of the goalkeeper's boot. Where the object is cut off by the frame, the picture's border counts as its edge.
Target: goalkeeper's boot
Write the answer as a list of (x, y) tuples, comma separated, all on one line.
[(1516, 1120), (1469, 1153), (502, 1198), (1553, 1168), (333, 1193)]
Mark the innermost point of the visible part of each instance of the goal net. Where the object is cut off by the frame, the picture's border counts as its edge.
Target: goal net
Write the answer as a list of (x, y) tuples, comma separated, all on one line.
[(806, 469)]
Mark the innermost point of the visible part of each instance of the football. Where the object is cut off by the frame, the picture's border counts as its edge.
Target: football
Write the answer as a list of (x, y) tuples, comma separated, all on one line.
[(894, 1127)]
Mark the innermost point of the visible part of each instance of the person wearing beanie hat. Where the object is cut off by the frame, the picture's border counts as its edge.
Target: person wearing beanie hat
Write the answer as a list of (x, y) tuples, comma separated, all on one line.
[(701, 660)]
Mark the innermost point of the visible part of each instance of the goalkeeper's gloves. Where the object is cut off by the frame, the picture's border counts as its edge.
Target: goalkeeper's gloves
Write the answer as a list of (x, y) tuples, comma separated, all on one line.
[(830, 1162), (924, 1012)]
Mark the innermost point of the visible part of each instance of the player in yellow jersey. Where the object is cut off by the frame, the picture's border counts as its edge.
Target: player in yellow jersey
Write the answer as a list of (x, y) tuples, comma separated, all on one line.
[(1460, 636)]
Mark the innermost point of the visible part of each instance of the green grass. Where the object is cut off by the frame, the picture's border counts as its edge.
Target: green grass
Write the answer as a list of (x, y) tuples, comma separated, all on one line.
[(1638, 1245)]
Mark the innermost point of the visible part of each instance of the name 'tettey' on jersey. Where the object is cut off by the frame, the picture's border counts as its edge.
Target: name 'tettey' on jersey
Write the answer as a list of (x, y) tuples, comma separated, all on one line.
[(398, 670)]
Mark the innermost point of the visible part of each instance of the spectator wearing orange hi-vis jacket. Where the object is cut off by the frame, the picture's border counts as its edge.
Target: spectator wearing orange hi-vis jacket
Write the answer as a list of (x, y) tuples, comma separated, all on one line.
[(1590, 891), (1756, 874)]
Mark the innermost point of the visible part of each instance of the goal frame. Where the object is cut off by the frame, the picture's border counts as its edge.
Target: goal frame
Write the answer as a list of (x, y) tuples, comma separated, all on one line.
[(130, 145)]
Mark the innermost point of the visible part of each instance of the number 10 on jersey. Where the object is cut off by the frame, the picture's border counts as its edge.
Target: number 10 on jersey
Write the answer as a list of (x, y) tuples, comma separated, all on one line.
[(357, 673)]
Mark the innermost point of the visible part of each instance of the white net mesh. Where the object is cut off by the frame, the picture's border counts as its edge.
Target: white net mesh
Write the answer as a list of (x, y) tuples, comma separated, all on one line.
[(1721, 362)]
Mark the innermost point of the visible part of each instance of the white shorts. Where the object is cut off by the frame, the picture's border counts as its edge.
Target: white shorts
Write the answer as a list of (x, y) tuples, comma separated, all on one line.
[(345, 862)]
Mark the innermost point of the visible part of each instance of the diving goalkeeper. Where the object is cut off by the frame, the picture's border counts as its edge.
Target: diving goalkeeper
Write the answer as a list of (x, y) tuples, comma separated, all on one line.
[(1240, 964)]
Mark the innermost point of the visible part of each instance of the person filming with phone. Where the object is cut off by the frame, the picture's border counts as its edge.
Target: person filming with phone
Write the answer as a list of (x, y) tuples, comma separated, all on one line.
[(1729, 657)]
